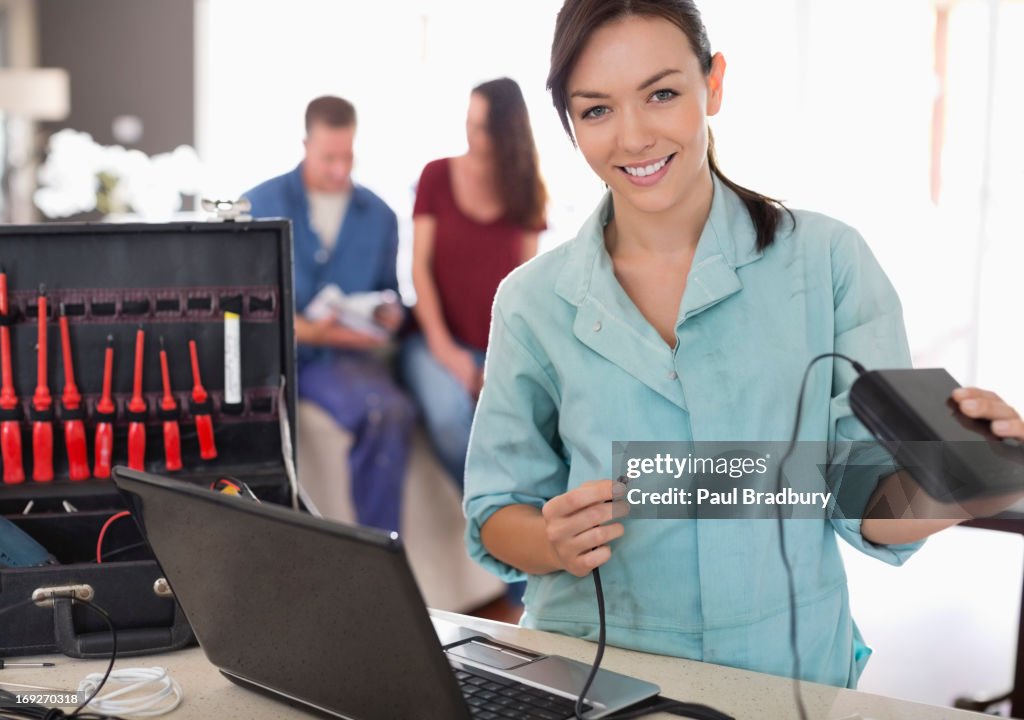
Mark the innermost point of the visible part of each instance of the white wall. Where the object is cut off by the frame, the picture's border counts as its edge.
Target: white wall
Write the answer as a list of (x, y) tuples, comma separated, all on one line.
[(945, 624)]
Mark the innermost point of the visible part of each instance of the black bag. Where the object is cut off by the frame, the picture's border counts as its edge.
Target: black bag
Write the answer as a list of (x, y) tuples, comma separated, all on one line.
[(176, 281)]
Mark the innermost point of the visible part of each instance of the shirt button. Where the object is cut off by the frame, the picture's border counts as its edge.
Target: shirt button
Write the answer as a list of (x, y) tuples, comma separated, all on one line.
[(672, 374), (597, 326), (321, 256)]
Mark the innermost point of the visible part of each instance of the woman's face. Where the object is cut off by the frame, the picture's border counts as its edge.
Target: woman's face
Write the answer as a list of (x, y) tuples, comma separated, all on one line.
[(639, 100), (477, 134)]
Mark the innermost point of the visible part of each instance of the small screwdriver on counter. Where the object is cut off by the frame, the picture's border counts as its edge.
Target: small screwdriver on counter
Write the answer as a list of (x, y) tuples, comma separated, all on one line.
[(5, 664)]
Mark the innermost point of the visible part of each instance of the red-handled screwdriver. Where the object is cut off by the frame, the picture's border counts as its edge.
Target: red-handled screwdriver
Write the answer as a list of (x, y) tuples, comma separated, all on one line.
[(201, 407), (137, 411), (42, 405), (10, 426), (105, 411), (74, 427), (169, 413)]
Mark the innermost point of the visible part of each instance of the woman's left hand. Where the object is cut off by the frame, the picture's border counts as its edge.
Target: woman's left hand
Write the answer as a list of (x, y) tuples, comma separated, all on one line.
[(929, 516), (986, 405)]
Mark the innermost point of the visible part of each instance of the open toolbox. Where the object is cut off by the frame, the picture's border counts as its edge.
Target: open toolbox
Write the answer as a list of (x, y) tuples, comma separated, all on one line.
[(223, 289)]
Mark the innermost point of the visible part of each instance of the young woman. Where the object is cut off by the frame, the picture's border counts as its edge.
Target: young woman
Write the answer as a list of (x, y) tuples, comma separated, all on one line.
[(476, 218), (687, 308)]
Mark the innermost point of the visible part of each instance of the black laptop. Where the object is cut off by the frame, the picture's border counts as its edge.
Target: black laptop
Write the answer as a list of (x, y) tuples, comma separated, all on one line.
[(328, 616)]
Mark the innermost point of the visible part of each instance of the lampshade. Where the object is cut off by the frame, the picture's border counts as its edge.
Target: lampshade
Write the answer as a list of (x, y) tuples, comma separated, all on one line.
[(35, 93)]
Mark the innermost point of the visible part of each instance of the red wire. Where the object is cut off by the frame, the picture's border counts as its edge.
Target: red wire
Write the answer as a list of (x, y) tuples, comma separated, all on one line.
[(103, 531)]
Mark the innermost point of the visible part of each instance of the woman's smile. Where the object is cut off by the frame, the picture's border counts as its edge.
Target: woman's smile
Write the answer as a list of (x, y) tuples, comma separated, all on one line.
[(647, 173)]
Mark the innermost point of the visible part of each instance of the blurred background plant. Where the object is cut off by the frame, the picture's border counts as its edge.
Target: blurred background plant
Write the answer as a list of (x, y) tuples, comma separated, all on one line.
[(80, 175)]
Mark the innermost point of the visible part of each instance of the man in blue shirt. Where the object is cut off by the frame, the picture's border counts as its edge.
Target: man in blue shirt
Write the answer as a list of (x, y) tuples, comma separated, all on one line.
[(345, 235)]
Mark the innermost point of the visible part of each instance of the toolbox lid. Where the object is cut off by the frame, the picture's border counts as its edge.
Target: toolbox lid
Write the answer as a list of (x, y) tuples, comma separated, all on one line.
[(176, 281)]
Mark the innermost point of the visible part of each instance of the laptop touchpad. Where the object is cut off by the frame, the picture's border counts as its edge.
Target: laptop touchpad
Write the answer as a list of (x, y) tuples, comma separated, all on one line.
[(492, 654)]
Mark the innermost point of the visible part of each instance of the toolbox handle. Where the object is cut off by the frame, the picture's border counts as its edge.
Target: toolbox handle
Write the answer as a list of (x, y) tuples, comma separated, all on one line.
[(138, 641)]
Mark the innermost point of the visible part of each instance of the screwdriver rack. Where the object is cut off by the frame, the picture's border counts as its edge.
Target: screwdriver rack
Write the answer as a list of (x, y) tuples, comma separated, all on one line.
[(175, 281)]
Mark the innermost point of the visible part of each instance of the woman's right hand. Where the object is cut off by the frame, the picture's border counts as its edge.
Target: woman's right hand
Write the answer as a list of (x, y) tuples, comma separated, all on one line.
[(460, 363), (578, 528)]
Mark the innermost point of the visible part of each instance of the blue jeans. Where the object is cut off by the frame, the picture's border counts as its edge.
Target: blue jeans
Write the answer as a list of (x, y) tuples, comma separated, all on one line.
[(358, 391), (446, 405)]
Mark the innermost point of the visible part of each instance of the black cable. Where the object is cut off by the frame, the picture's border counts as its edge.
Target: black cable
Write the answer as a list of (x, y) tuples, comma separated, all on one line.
[(672, 707), (599, 591), (107, 554), (113, 651), (696, 710), (22, 711), (11, 710), (790, 582), (15, 606), (654, 705)]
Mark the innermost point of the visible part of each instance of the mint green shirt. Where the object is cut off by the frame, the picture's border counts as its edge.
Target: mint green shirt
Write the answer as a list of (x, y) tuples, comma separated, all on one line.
[(572, 366)]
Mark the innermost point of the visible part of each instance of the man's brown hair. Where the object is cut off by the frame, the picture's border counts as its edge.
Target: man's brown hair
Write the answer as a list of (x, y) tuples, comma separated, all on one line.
[(332, 111)]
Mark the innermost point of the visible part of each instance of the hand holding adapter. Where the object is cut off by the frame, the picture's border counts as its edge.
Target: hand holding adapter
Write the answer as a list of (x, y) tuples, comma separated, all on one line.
[(981, 404)]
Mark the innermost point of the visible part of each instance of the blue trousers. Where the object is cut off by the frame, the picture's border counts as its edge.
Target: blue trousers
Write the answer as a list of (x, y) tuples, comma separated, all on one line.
[(443, 401), (358, 391)]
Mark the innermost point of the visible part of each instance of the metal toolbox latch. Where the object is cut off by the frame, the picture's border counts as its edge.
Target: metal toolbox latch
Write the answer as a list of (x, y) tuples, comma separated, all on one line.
[(44, 596), (228, 210)]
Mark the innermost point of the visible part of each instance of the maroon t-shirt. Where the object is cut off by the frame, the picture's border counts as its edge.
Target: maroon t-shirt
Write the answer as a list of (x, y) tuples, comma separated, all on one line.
[(470, 258)]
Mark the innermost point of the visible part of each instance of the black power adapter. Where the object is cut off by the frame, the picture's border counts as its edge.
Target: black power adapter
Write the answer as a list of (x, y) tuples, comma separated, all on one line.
[(952, 456)]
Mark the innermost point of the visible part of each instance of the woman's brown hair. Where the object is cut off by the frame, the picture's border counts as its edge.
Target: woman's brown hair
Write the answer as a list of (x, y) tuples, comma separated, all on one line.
[(577, 21), (516, 164)]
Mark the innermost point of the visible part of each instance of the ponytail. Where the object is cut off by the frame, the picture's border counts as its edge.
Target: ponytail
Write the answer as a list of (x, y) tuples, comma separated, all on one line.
[(765, 212)]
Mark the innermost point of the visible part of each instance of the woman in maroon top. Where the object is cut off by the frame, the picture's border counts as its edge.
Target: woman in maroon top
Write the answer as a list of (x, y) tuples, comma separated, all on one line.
[(476, 218)]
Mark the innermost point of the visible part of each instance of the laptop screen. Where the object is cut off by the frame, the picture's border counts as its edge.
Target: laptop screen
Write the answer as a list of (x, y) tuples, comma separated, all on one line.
[(323, 613)]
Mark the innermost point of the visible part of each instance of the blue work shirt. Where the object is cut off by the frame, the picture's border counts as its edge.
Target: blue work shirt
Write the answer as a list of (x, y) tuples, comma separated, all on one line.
[(572, 366), (365, 254)]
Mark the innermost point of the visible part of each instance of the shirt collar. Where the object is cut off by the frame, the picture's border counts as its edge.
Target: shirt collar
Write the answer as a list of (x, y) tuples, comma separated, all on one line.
[(728, 241), (610, 324)]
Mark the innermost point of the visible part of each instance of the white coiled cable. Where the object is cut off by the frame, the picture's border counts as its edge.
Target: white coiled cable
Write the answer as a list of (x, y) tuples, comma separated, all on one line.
[(153, 692)]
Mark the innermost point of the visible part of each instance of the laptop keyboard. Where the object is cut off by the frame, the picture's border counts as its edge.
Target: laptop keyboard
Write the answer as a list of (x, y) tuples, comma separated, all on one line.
[(499, 699)]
